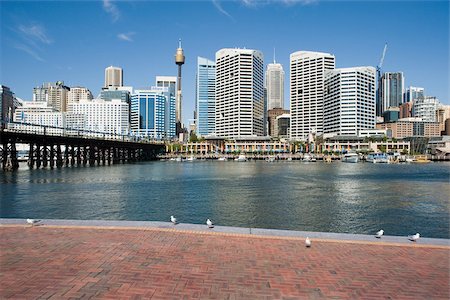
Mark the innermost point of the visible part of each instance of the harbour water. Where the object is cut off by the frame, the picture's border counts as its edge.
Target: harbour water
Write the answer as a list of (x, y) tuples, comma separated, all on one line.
[(337, 197)]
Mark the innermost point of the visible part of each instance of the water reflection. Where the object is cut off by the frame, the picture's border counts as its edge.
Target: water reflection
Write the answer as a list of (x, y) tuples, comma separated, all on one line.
[(338, 197)]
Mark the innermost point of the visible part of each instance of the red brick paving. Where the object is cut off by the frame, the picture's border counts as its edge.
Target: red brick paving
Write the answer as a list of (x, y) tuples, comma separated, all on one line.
[(66, 263)]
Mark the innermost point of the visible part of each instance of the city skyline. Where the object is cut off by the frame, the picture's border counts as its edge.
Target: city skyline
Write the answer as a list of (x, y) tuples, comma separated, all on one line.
[(38, 49)]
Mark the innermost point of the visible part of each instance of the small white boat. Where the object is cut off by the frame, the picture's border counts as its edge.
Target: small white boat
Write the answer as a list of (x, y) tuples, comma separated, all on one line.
[(377, 158), (307, 157), (178, 159), (270, 159), (223, 158), (241, 158), (350, 157), (191, 158)]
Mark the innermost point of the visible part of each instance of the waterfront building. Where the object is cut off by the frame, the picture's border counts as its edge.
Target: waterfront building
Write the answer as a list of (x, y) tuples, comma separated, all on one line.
[(274, 85), (360, 144), (272, 115), (412, 93), (55, 94), (391, 87), (349, 102), (113, 77), (205, 97), (426, 108), (38, 113), (103, 115), (307, 91), (148, 113), (169, 82), (411, 127), (239, 93), (6, 104)]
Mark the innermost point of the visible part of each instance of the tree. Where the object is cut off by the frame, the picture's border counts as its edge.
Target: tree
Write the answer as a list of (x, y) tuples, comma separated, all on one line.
[(193, 138)]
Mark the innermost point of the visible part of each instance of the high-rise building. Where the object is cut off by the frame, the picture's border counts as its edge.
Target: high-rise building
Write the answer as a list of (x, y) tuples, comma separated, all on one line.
[(169, 84), (406, 110), (349, 104), (55, 94), (442, 114), (6, 104), (239, 93), (391, 91), (205, 96), (148, 113), (307, 91), (113, 77), (426, 108), (77, 94), (412, 93), (275, 86)]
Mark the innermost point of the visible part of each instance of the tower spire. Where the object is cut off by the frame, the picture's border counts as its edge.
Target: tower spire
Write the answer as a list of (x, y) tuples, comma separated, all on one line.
[(179, 43), (274, 61)]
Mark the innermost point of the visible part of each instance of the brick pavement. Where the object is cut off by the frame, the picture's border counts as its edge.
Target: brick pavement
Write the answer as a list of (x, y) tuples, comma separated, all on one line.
[(67, 263)]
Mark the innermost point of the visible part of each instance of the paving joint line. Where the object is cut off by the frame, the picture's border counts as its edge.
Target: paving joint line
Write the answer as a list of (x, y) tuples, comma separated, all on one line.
[(246, 235)]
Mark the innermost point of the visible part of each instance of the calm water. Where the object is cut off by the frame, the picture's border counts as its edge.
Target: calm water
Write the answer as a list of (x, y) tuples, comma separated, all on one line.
[(337, 197)]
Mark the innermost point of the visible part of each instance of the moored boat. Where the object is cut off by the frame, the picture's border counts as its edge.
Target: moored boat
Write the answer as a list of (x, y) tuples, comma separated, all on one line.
[(350, 157), (377, 158)]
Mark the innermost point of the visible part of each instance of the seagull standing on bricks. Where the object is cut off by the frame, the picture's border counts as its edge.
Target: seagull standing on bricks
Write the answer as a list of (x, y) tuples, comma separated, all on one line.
[(209, 223), (173, 220), (379, 234), (307, 242), (414, 237), (32, 221)]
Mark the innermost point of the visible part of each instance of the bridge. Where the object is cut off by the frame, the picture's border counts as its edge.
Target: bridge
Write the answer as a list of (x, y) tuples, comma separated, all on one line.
[(57, 147)]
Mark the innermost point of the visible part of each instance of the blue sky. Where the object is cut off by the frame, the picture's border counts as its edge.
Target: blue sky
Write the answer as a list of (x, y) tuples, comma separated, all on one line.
[(74, 41)]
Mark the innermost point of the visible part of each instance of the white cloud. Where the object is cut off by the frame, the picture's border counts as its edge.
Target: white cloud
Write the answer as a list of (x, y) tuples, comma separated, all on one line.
[(28, 50), (220, 8), (111, 9), (35, 33), (126, 36)]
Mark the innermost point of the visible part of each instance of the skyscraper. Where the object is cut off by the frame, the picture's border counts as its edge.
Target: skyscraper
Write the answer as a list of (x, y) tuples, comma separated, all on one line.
[(77, 94), (349, 104), (205, 96), (169, 84), (239, 93), (113, 77), (55, 94), (413, 93), (307, 91), (391, 91), (147, 113), (275, 86)]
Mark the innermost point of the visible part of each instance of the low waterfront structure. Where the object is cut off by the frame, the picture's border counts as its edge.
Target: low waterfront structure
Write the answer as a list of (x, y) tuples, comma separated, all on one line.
[(361, 144)]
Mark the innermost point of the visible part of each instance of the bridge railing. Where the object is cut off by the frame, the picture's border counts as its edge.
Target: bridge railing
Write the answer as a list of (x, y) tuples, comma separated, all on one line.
[(71, 132)]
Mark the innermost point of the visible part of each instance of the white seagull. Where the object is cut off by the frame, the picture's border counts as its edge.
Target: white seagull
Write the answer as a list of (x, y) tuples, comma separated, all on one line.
[(32, 221), (307, 242), (414, 237), (209, 223), (173, 220), (379, 234)]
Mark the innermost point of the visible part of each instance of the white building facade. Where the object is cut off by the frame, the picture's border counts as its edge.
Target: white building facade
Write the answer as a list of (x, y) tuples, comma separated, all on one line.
[(77, 94), (103, 116), (426, 108), (349, 103), (239, 93), (274, 85), (307, 92)]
